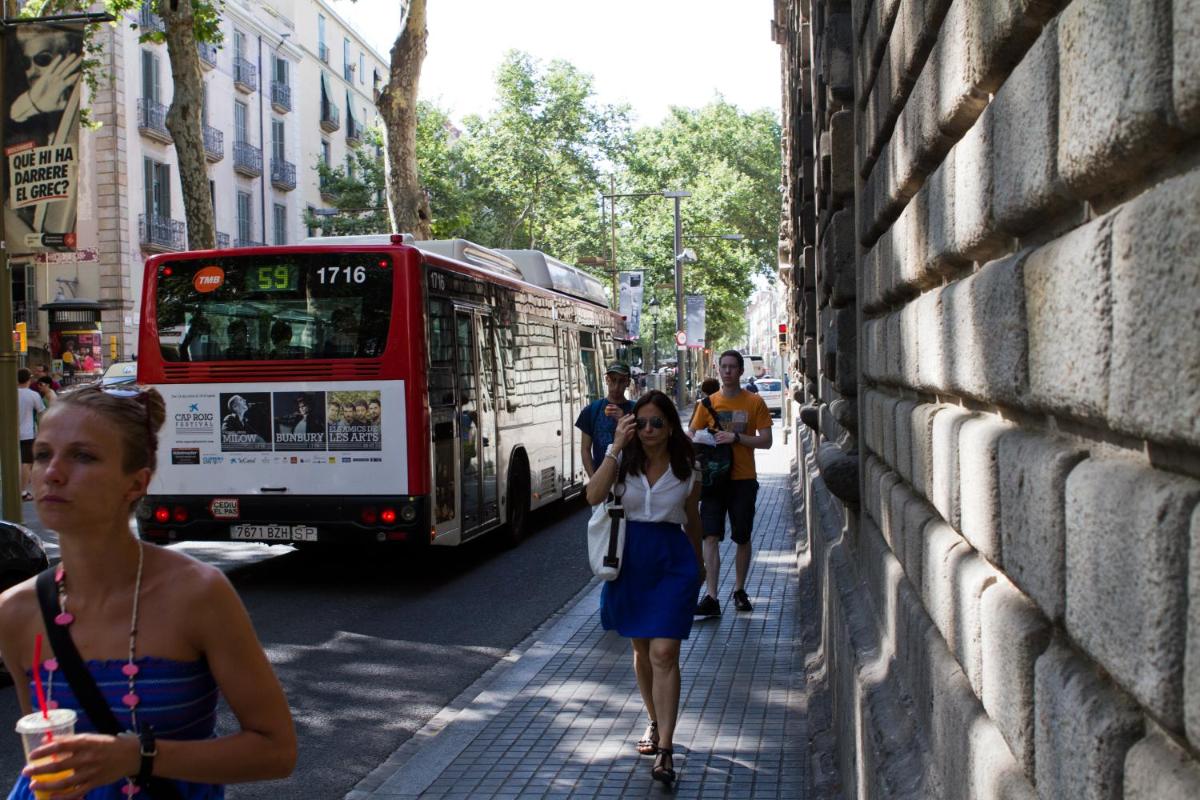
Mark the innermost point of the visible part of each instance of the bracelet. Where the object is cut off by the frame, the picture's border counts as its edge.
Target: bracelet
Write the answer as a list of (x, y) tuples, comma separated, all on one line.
[(148, 749), (614, 458)]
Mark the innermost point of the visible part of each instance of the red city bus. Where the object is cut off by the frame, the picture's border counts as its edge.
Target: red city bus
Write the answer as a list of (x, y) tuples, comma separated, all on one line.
[(367, 389)]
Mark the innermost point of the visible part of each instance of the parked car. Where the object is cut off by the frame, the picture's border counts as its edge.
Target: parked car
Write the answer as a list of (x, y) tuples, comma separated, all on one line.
[(120, 374), (771, 391)]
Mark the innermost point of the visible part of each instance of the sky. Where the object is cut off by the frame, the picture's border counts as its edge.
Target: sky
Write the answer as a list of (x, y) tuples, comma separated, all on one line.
[(651, 54)]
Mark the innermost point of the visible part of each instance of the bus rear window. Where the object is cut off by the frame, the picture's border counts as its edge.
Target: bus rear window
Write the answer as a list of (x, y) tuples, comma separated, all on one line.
[(292, 306)]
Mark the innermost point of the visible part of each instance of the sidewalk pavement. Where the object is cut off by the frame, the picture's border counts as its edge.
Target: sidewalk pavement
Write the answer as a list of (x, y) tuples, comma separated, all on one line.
[(559, 717)]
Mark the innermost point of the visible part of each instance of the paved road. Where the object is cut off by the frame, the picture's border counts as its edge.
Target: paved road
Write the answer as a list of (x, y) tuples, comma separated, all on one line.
[(369, 649)]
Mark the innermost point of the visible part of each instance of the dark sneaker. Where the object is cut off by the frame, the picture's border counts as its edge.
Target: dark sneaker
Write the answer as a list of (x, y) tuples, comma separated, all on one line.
[(708, 607), (741, 602)]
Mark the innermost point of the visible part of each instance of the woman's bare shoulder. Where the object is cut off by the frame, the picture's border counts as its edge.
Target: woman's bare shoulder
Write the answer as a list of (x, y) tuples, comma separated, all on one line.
[(187, 577), (19, 613)]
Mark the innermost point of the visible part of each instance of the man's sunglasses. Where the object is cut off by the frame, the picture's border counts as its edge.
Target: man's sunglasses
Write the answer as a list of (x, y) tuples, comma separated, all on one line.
[(655, 422)]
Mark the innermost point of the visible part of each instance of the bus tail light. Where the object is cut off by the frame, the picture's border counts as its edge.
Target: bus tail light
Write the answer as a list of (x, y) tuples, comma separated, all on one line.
[(179, 514), (369, 515), (388, 516), (162, 514), (398, 536)]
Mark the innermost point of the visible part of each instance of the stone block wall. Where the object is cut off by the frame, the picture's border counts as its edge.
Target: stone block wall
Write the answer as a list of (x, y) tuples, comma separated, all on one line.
[(996, 205)]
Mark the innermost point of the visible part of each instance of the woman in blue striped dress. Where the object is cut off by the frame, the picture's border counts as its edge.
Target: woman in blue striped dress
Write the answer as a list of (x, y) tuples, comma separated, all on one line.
[(653, 598), (160, 633)]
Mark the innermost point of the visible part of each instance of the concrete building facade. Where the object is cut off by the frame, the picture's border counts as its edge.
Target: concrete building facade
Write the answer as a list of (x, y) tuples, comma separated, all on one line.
[(291, 84), (991, 242)]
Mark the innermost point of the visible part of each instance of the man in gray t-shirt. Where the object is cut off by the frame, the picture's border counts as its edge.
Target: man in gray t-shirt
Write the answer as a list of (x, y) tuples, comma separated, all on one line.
[(29, 405)]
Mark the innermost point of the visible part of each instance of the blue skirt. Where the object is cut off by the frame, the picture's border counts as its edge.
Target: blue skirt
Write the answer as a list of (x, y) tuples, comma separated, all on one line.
[(655, 594)]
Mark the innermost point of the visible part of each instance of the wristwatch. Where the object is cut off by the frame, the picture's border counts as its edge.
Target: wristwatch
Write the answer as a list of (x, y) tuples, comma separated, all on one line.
[(148, 750)]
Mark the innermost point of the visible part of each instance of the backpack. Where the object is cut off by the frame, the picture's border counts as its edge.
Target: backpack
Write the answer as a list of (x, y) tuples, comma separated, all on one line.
[(714, 461)]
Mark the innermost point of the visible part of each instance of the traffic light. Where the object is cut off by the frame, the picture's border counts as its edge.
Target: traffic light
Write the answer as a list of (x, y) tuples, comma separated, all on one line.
[(783, 336), (21, 338)]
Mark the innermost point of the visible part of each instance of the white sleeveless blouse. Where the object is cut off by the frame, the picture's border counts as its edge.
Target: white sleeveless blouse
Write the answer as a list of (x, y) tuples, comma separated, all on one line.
[(662, 502)]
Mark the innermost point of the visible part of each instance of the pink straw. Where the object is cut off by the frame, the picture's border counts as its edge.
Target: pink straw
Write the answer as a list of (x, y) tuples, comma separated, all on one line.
[(37, 676)]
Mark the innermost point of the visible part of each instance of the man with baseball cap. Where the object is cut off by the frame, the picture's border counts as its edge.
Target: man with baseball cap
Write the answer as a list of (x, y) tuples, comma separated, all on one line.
[(598, 421)]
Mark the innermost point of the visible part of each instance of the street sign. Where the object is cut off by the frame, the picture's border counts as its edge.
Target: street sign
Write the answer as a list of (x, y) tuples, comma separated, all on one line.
[(680, 338)]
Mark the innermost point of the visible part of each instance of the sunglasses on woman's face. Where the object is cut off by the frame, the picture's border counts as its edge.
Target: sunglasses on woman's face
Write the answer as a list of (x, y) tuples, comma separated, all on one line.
[(42, 59), (654, 422)]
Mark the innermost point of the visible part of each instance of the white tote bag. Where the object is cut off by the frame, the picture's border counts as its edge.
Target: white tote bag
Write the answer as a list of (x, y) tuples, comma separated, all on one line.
[(606, 535)]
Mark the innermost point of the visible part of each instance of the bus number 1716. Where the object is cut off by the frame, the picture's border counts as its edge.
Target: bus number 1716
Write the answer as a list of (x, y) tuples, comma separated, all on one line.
[(332, 275)]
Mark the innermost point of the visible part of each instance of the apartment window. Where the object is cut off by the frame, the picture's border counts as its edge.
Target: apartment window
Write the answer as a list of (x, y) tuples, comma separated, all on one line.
[(280, 215), (312, 212), (362, 68), (244, 218), (350, 167), (281, 70), (321, 31), (151, 88), (212, 198), (239, 44), (347, 64), (158, 188), (241, 116), (326, 153), (204, 105), (277, 142)]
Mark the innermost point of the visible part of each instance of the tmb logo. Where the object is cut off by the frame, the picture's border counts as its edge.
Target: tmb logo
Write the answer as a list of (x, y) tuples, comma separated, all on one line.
[(208, 279)]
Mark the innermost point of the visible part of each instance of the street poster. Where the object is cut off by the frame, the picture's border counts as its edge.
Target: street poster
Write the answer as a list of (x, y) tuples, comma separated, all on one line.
[(695, 320), (41, 108), (629, 305), (247, 422), (355, 419), (299, 420)]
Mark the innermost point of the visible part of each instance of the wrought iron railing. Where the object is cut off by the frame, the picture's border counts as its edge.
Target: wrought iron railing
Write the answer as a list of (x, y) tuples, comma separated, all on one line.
[(247, 159), (283, 174), (281, 95), (162, 232), (214, 143), (208, 53), (330, 117), (247, 243), (323, 52), (354, 132), (150, 22), (245, 74), (152, 118), (222, 241)]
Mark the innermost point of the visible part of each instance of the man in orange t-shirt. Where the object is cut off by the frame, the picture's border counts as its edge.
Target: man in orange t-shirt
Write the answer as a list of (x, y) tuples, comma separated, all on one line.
[(746, 424)]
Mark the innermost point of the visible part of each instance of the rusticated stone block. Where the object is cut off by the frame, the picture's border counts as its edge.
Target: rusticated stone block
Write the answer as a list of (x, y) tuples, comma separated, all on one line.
[(1027, 187), (1156, 314), (977, 234), (1191, 674), (847, 352), (1013, 634), (1033, 472), (810, 358), (931, 357), (1185, 29), (1158, 769), (894, 344), (922, 448), (942, 548), (979, 476), (1127, 546), (888, 412), (1115, 102), (902, 425), (1068, 303), (984, 333), (940, 258), (891, 526), (840, 258), (946, 427), (841, 157), (1084, 728)]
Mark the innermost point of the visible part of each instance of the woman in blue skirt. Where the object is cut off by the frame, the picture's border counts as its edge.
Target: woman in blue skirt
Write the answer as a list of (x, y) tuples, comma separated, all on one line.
[(653, 599)]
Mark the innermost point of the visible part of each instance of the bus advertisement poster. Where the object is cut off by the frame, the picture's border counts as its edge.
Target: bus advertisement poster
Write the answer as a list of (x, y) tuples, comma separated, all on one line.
[(299, 420), (247, 422), (355, 420)]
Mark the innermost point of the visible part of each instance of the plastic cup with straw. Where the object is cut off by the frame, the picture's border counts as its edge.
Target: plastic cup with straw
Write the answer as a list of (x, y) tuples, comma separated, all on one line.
[(42, 726)]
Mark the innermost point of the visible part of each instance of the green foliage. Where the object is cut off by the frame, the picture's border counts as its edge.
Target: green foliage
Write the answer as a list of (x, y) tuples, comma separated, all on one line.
[(356, 190)]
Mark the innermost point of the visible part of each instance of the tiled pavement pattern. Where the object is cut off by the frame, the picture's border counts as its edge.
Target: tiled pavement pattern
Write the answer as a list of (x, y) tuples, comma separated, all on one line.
[(561, 722)]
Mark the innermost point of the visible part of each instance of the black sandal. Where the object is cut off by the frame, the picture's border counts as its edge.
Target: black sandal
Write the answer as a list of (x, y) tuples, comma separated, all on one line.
[(664, 767), (648, 744)]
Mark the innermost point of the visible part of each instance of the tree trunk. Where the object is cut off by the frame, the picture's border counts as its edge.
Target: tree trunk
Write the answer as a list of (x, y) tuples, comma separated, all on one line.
[(184, 121), (397, 104)]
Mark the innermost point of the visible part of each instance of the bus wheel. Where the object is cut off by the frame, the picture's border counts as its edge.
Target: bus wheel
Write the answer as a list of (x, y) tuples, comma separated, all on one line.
[(518, 502)]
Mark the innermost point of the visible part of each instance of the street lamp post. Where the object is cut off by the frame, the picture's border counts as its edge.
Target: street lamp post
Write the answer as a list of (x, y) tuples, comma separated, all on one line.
[(681, 350), (654, 332)]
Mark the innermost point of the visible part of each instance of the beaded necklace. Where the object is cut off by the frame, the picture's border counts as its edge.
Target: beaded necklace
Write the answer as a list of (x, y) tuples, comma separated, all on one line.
[(129, 670)]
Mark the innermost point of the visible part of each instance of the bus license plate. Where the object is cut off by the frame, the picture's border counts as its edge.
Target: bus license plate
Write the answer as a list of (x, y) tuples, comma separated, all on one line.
[(274, 533)]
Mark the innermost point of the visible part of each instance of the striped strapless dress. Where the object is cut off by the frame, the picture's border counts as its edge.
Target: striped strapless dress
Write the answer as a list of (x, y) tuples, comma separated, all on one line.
[(179, 698)]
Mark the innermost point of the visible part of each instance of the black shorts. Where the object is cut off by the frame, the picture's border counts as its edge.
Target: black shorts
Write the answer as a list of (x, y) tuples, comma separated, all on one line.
[(736, 501), (27, 451)]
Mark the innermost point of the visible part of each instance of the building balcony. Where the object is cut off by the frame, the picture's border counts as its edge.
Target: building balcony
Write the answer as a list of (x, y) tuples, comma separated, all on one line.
[(323, 52), (248, 243), (214, 143), (281, 97), (150, 22), (326, 185), (245, 75), (283, 174), (152, 121), (161, 234), (354, 133), (208, 54), (222, 241), (247, 159), (330, 117)]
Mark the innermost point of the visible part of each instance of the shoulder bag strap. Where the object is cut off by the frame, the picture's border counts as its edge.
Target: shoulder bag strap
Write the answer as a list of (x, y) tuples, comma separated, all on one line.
[(82, 683), (707, 403), (616, 512)]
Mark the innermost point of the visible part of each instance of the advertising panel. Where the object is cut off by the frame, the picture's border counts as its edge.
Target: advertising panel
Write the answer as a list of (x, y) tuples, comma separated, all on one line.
[(302, 438), (41, 135), (695, 320), (630, 286)]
